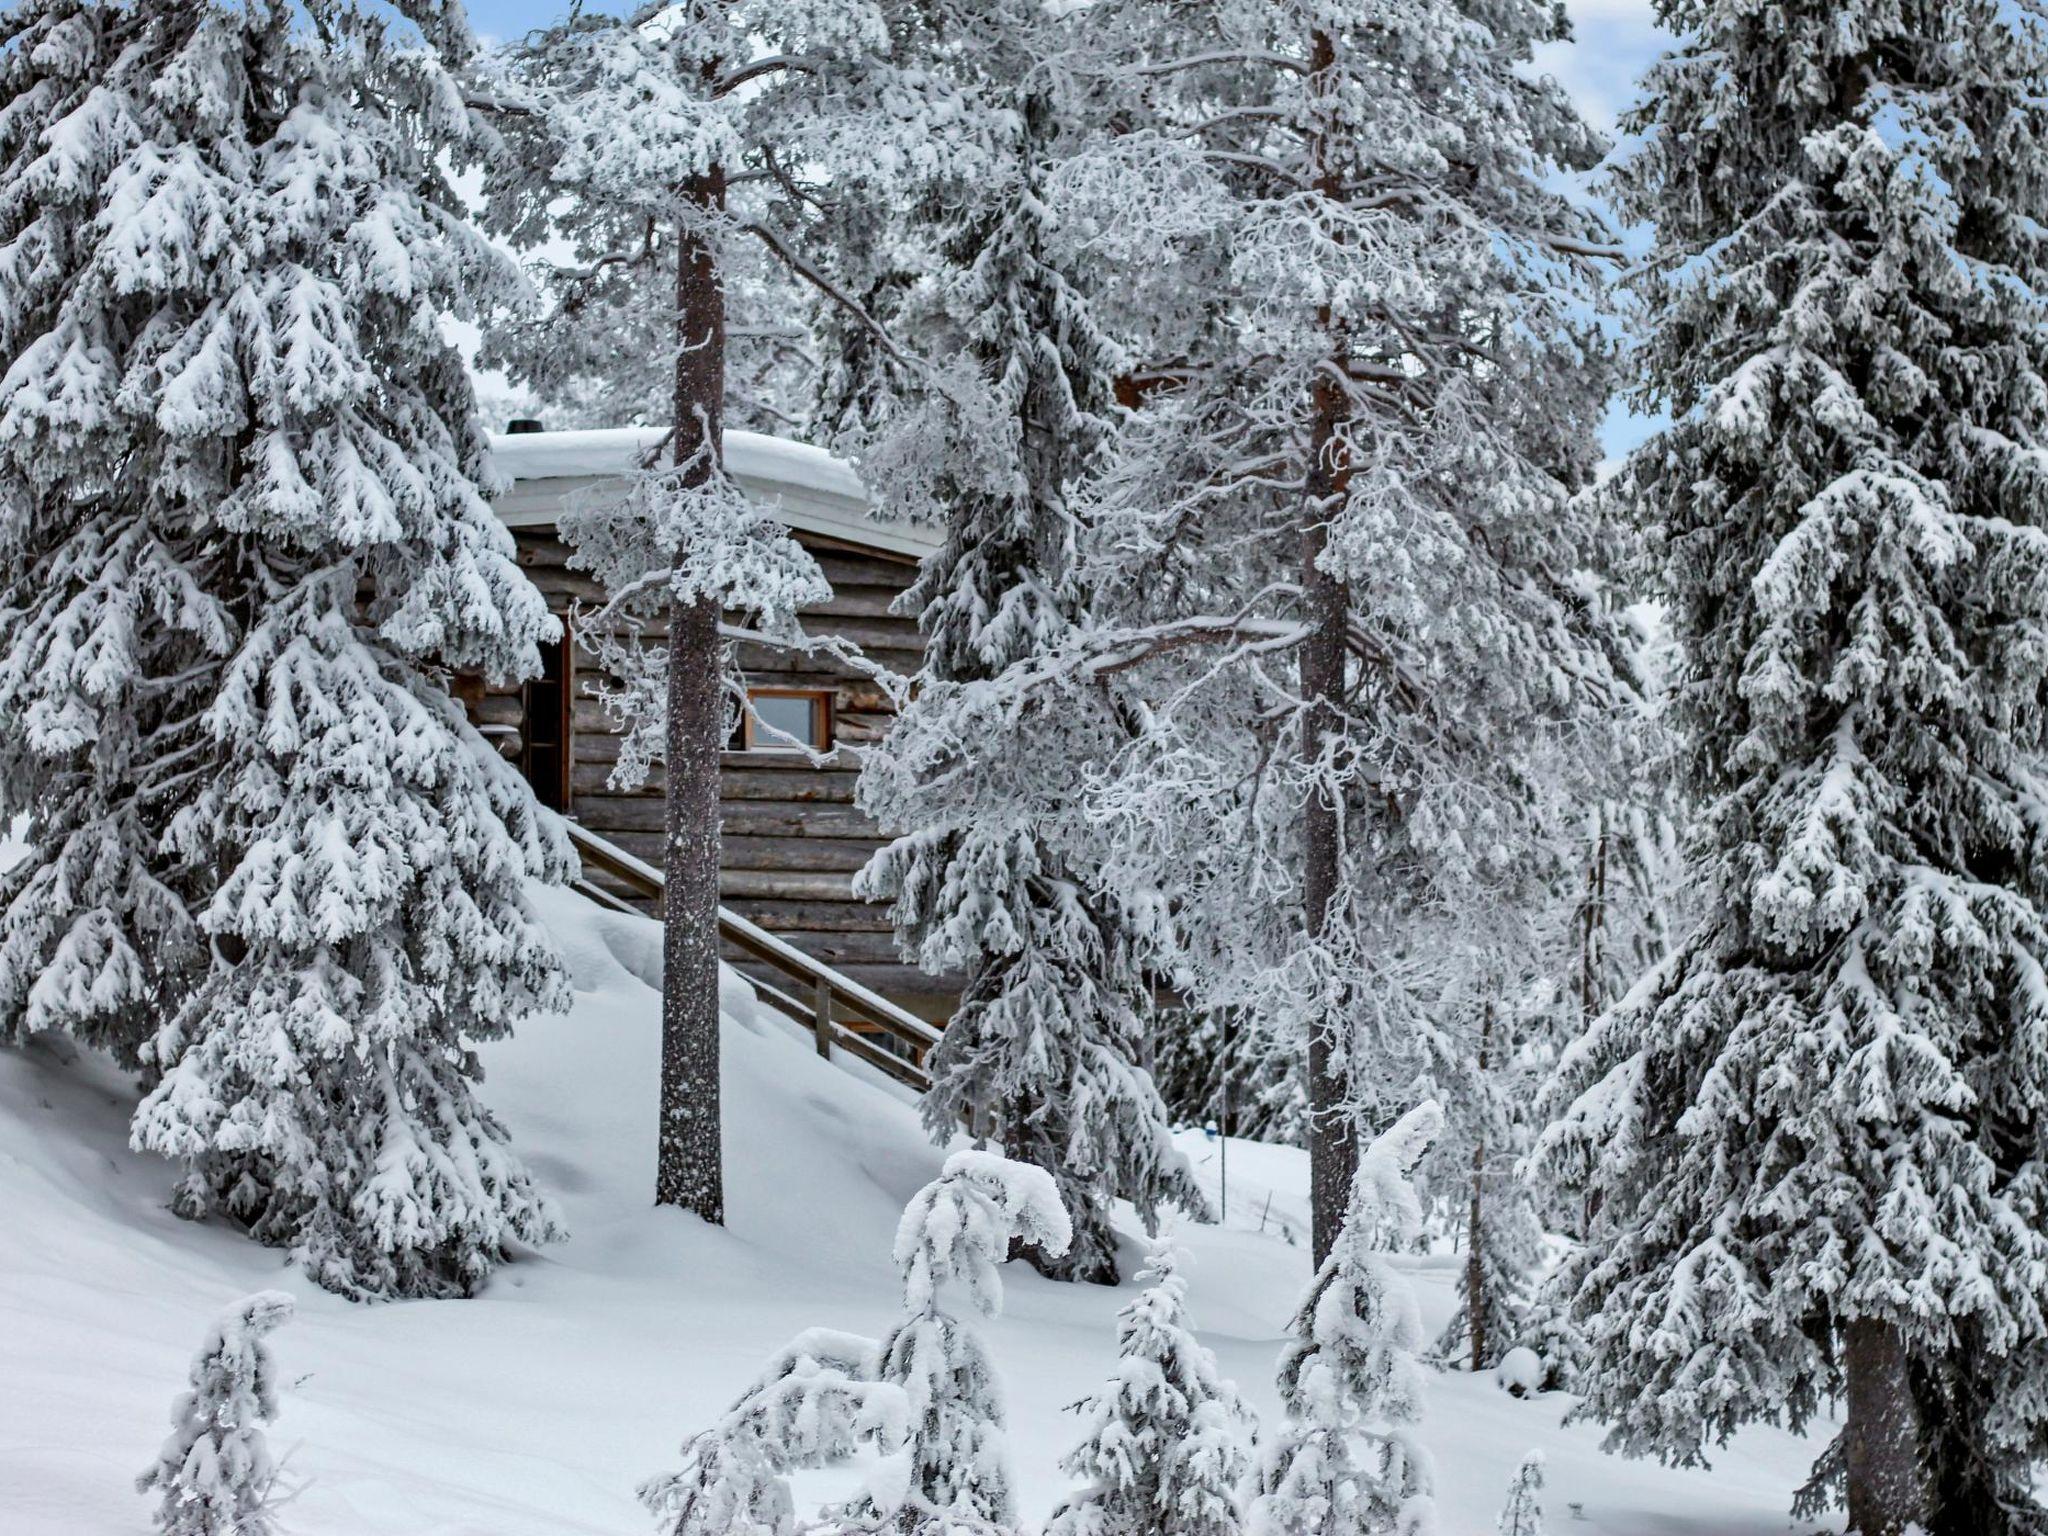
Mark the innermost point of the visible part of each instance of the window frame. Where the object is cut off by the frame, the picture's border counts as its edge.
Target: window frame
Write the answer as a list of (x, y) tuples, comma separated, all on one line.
[(823, 717)]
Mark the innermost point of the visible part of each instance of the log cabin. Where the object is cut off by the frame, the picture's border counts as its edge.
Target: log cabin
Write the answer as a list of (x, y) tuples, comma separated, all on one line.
[(792, 835)]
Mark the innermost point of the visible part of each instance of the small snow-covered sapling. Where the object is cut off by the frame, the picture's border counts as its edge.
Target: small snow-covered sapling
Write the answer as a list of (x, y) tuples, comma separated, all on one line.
[(1344, 1462), (815, 1403), (1522, 1515), (215, 1471), (1164, 1454)]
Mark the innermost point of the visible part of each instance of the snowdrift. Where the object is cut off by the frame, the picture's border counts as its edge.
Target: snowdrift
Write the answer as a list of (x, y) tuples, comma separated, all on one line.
[(534, 1409)]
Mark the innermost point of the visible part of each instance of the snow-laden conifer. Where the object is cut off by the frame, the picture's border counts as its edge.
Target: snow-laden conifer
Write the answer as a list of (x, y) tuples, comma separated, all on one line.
[(994, 876), (237, 446), (1164, 1451), (666, 146), (1336, 549), (1814, 1134), (1522, 1514), (954, 1233), (1483, 1079), (1344, 1462), (109, 636), (215, 1475), (816, 1403)]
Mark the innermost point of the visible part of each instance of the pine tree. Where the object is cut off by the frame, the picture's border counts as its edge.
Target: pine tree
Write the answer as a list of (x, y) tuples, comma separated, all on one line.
[(1814, 1133), (992, 877), (214, 1472), (955, 1231), (1330, 547), (1343, 1463), (1522, 1515), (815, 1404), (630, 135), (257, 405), (1162, 1456)]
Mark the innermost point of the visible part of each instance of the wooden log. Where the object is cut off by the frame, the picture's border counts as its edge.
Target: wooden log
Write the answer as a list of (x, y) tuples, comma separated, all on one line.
[(845, 567), (753, 779), (499, 709), (797, 819), (794, 885), (835, 853), (903, 660), (858, 601), (595, 778), (793, 917)]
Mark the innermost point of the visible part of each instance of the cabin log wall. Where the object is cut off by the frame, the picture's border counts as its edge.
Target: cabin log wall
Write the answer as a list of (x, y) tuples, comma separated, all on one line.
[(792, 836)]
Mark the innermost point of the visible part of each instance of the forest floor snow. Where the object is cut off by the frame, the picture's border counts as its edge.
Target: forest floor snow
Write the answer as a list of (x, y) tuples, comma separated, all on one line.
[(535, 1408)]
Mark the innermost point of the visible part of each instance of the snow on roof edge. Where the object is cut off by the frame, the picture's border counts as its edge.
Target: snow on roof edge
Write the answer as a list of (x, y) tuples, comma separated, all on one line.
[(606, 451)]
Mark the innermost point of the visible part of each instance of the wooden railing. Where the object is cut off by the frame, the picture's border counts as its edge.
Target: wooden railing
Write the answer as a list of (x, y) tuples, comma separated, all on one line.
[(837, 1010)]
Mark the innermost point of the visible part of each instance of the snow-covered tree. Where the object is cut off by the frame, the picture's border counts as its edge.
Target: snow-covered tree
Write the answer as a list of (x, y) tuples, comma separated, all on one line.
[(108, 640), (628, 137), (215, 1474), (1335, 548), (816, 1403), (1522, 1514), (1164, 1452), (1485, 1088), (1343, 1461), (954, 1233), (239, 447), (1815, 1133), (992, 877)]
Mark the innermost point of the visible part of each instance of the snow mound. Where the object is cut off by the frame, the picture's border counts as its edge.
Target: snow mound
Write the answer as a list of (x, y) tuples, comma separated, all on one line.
[(1520, 1372)]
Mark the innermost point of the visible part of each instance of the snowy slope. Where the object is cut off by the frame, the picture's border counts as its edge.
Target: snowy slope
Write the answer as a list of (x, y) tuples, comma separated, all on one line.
[(533, 1410)]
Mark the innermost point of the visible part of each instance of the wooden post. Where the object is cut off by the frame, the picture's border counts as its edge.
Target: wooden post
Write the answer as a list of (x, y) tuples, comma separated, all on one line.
[(821, 1017)]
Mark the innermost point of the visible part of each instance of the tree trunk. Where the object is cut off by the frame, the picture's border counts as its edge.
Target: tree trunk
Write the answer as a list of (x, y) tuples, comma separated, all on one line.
[(1881, 1453), (1333, 1137), (1475, 1267), (690, 1169)]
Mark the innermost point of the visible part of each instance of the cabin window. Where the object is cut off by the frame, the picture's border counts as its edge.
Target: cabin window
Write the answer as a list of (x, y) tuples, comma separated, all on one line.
[(775, 715), (544, 751)]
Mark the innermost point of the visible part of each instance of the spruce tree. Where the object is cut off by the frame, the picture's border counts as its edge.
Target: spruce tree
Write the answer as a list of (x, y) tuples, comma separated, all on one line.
[(816, 1403), (954, 1233), (1814, 1134), (1522, 1514), (215, 1473), (994, 874), (1163, 1454), (109, 643), (1343, 1462), (268, 500)]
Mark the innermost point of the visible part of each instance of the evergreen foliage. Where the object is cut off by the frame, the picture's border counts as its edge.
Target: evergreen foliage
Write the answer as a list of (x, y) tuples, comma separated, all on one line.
[(241, 491), (1163, 1455), (1343, 1462), (215, 1474), (815, 1404), (994, 877), (1814, 1133), (955, 1231)]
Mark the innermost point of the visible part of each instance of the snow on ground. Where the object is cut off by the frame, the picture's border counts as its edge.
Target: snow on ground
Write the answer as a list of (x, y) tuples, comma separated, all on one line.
[(534, 1409)]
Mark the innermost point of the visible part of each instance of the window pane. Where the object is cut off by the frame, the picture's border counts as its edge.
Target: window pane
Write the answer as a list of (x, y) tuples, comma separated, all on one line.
[(800, 718)]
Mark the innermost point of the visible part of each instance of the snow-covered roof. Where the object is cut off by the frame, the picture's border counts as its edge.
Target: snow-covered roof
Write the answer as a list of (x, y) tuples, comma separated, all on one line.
[(815, 492)]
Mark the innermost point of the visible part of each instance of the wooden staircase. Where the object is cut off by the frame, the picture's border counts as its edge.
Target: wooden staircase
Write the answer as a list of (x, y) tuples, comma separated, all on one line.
[(838, 1011)]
